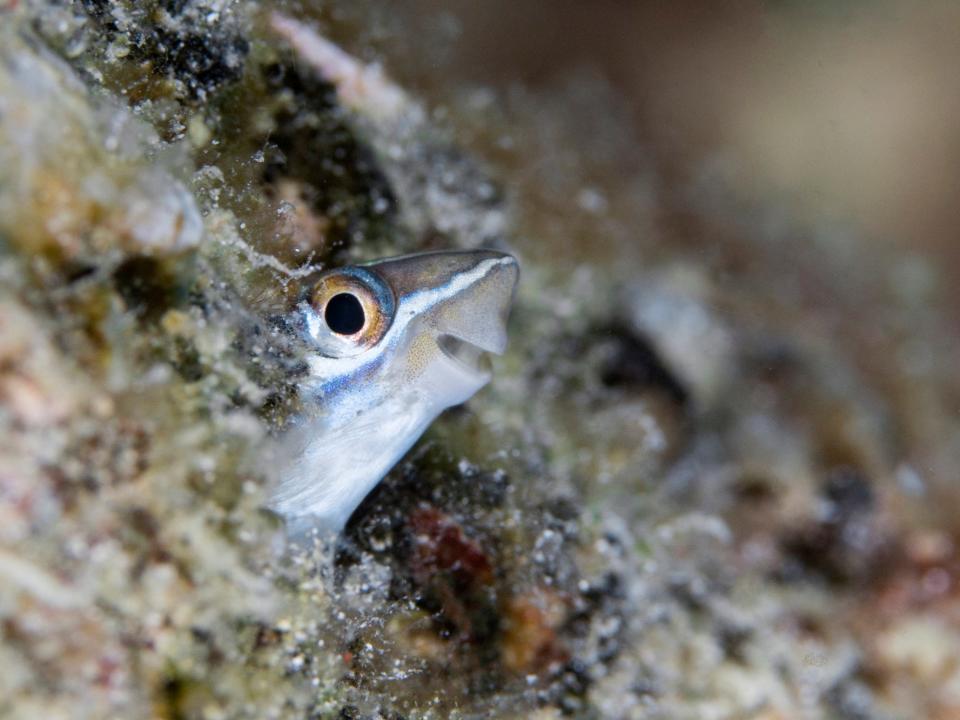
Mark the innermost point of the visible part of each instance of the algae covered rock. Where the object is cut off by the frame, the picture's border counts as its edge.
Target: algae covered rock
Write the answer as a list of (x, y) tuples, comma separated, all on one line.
[(686, 494)]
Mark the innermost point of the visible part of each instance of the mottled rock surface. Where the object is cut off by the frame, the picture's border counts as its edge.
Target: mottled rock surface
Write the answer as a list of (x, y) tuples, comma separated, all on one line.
[(715, 476)]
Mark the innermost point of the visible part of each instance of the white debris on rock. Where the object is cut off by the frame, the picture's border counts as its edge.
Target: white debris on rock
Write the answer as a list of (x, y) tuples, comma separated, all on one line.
[(441, 188), (672, 309), (61, 159)]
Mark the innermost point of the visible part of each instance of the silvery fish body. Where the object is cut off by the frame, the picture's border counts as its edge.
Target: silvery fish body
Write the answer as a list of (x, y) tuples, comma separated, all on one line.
[(393, 344)]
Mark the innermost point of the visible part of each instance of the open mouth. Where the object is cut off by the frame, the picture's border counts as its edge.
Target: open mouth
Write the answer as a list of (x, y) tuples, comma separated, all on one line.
[(466, 354)]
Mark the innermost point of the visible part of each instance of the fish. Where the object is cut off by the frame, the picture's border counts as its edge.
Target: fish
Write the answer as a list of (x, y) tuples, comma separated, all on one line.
[(391, 345)]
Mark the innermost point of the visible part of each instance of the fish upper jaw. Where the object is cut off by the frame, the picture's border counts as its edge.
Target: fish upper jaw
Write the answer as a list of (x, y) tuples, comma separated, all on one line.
[(453, 309), (451, 312), (477, 312)]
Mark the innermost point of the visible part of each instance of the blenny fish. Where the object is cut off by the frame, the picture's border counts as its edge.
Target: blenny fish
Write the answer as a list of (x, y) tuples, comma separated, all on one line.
[(392, 344)]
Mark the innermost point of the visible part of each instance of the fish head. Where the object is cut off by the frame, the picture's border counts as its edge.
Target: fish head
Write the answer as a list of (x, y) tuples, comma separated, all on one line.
[(392, 344), (418, 327)]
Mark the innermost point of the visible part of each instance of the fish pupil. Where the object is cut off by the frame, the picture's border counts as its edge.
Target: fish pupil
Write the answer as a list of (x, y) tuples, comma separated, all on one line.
[(344, 314)]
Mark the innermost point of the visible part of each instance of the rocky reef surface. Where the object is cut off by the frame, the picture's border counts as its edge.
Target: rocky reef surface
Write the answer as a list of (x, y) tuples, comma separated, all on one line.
[(715, 476)]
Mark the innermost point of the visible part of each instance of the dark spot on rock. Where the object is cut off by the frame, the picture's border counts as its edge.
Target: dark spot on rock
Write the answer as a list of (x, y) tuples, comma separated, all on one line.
[(313, 144), (851, 699), (266, 636), (646, 686), (146, 285), (564, 509), (754, 489), (848, 493), (733, 639), (492, 487), (187, 361), (174, 7), (610, 587), (144, 522), (75, 272), (842, 542), (772, 360), (561, 515), (633, 363), (199, 61), (689, 591), (172, 694), (68, 492), (576, 678), (599, 608), (205, 638), (99, 12), (574, 683)]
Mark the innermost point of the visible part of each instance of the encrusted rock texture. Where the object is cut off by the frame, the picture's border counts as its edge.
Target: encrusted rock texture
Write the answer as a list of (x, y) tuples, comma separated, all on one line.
[(716, 475)]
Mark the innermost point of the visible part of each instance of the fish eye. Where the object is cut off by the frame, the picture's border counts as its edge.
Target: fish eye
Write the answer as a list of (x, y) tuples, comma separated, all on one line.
[(349, 311), (344, 314)]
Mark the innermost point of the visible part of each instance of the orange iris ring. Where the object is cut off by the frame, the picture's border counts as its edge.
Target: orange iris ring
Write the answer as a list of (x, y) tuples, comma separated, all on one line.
[(375, 297)]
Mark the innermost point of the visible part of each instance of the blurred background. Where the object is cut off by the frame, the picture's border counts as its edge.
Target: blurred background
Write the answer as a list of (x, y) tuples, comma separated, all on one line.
[(841, 110)]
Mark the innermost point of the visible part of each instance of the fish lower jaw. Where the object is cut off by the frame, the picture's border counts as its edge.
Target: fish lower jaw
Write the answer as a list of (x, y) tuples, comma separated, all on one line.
[(468, 356)]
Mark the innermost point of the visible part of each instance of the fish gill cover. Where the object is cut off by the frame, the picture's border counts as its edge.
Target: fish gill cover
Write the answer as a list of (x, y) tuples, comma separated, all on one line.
[(715, 475)]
